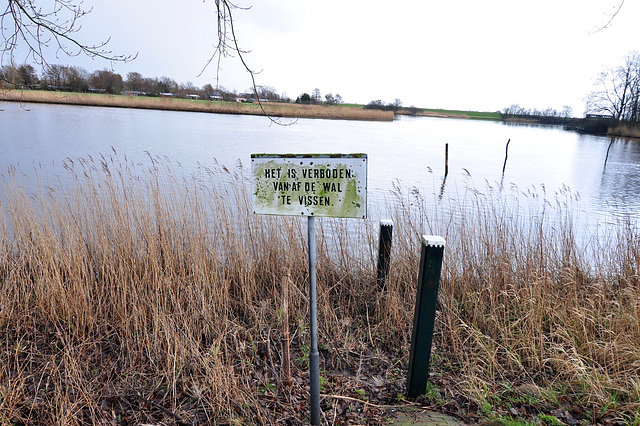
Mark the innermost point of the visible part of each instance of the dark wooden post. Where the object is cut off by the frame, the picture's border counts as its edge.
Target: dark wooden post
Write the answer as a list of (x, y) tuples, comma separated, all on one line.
[(384, 252), (425, 314), (506, 155), (446, 160)]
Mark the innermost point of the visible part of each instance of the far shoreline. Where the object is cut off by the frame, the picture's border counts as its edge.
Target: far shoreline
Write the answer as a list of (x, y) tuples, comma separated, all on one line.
[(271, 109), (278, 110)]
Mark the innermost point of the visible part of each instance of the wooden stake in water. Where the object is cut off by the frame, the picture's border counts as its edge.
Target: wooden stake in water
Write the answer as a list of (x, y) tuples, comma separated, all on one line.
[(506, 155), (314, 356), (446, 160)]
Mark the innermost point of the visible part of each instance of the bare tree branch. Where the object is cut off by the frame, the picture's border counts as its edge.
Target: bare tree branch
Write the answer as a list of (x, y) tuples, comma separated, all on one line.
[(612, 17), (39, 26), (228, 46), (24, 22)]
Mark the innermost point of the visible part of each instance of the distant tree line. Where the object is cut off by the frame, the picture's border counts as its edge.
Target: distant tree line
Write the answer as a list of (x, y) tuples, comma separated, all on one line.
[(316, 98), (592, 125), (516, 111), (76, 79), (378, 104), (615, 99)]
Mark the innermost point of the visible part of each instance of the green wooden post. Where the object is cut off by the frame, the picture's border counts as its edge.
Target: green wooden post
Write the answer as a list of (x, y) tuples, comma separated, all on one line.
[(425, 314)]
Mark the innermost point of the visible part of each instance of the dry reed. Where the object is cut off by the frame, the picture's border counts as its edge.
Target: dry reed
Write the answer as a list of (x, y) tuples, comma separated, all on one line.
[(271, 109), (626, 130), (135, 294)]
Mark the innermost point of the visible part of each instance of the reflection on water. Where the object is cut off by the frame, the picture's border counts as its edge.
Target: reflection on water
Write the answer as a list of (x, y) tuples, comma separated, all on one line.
[(410, 151), (620, 180), (620, 174)]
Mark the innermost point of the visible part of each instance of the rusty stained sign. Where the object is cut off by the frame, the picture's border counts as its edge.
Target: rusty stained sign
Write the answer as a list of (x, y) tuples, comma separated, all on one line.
[(323, 185)]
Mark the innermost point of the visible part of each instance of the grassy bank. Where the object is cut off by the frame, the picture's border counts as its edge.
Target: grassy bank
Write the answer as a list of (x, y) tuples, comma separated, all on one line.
[(445, 113), (174, 104), (132, 294)]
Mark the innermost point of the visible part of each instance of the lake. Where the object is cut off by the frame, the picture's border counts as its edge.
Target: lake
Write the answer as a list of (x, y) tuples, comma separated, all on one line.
[(409, 151)]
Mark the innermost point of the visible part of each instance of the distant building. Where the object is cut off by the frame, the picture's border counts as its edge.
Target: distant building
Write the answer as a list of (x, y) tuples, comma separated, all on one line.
[(605, 116), (166, 95), (134, 93), (190, 96), (245, 97)]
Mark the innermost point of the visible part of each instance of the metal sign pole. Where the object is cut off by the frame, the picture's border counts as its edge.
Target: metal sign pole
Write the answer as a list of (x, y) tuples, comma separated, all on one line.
[(314, 356), (312, 185)]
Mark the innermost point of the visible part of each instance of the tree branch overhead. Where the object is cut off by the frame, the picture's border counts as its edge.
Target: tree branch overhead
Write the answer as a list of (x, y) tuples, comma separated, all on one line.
[(52, 26)]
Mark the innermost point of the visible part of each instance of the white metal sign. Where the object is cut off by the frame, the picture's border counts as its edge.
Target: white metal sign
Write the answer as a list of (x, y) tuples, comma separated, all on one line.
[(325, 185)]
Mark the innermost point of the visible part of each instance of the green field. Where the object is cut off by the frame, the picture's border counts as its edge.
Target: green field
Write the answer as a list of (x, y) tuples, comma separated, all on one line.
[(477, 115), (470, 114)]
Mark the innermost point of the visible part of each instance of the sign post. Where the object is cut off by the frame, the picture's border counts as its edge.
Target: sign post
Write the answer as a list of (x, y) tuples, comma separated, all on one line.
[(324, 185), (314, 356)]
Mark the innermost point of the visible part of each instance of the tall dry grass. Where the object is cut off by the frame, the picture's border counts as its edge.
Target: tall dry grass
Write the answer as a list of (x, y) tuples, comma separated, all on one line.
[(271, 109), (625, 129), (534, 307), (139, 294)]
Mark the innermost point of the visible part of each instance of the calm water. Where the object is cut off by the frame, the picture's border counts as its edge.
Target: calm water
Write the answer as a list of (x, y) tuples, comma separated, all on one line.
[(410, 151)]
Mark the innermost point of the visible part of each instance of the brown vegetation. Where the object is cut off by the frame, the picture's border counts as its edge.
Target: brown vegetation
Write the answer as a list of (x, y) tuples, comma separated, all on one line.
[(175, 104), (137, 295), (627, 130)]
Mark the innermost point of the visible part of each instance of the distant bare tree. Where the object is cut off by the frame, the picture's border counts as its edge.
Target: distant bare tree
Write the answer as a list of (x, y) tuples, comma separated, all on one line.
[(329, 99), (28, 75), (167, 85), (227, 95), (316, 96), (54, 76), (378, 104), (618, 90), (208, 90), (66, 78), (107, 81), (23, 76), (134, 82), (267, 93), (76, 78)]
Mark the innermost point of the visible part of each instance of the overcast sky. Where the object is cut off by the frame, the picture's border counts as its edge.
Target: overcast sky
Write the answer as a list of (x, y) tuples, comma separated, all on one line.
[(453, 54)]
